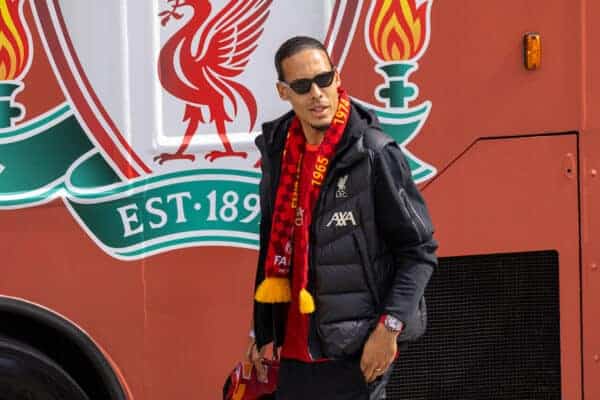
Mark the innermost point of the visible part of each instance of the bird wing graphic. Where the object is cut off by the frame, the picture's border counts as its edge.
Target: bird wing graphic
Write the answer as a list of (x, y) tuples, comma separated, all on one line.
[(226, 44), (232, 35)]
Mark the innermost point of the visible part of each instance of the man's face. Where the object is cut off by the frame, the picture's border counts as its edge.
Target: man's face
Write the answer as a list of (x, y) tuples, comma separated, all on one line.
[(317, 107)]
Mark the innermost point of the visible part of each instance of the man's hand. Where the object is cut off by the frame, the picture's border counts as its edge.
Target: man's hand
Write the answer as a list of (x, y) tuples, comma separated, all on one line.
[(256, 356), (379, 353)]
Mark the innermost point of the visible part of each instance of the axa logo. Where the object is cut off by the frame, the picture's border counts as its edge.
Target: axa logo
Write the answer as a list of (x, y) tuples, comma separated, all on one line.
[(342, 218)]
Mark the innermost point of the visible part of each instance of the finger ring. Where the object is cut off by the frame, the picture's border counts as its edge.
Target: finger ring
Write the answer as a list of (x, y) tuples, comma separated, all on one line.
[(378, 369)]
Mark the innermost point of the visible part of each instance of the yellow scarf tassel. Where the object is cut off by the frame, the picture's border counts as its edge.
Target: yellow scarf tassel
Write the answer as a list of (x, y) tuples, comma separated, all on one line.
[(274, 290), (307, 303)]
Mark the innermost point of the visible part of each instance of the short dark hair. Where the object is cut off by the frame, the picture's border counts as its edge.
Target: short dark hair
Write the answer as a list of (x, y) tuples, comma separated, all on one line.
[(293, 46)]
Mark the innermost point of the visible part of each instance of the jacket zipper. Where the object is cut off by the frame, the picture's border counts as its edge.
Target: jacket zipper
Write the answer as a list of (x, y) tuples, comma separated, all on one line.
[(312, 257), (410, 211), (311, 267), (418, 216)]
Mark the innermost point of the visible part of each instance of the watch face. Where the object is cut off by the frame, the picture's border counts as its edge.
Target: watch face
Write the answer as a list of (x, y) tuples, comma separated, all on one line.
[(393, 323)]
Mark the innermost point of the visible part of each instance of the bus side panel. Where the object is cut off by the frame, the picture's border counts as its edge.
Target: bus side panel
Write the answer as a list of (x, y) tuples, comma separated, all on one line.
[(590, 194), (518, 195)]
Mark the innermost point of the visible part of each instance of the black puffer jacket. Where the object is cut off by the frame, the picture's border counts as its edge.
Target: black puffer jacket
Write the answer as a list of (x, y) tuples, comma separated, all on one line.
[(371, 249)]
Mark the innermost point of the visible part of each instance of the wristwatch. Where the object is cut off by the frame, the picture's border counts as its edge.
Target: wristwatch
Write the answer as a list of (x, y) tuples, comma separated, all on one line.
[(392, 324)]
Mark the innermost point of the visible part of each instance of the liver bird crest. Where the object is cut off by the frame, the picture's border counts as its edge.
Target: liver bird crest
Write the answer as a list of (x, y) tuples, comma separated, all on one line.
[(202, 72)]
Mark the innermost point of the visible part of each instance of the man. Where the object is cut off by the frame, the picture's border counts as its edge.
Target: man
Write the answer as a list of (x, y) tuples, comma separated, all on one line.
[(346, 240)]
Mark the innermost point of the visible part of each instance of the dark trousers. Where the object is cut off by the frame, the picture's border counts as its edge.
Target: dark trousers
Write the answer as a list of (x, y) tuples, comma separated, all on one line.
[(330, 380)]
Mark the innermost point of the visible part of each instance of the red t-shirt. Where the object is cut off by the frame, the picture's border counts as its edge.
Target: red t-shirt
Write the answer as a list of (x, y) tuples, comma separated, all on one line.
[(295, 343)]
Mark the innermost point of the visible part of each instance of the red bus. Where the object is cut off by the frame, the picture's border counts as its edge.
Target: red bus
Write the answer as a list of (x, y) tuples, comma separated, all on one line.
[(128, 187)]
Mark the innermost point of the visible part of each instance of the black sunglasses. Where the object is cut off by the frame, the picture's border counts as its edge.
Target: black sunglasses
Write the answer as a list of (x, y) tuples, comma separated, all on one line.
[(302, 86)]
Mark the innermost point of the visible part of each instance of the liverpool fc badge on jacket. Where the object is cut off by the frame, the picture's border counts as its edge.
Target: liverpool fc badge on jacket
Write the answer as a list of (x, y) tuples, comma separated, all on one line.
[(341, 188)]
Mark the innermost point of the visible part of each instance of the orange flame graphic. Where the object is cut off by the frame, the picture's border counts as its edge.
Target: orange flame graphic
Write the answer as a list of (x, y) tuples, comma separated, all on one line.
[(398, 30), (14, 46)]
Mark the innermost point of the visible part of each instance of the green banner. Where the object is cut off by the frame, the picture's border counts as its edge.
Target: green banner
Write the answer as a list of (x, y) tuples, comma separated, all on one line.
[(149, 215)]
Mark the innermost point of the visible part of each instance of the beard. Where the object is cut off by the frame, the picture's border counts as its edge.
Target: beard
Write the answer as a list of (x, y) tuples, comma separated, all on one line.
[(320, 128)]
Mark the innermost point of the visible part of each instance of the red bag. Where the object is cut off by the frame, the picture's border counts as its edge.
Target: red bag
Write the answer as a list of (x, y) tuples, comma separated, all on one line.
[(243, 384)]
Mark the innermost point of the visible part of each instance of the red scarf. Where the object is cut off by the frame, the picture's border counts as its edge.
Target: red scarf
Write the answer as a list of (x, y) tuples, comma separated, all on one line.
[(294, 207)]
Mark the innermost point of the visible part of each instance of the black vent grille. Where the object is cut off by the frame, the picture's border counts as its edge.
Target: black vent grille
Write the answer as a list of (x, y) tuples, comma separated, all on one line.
[(493, 332)]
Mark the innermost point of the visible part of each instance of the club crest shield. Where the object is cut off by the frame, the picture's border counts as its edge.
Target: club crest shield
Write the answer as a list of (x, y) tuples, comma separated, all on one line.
[(152, 147)]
